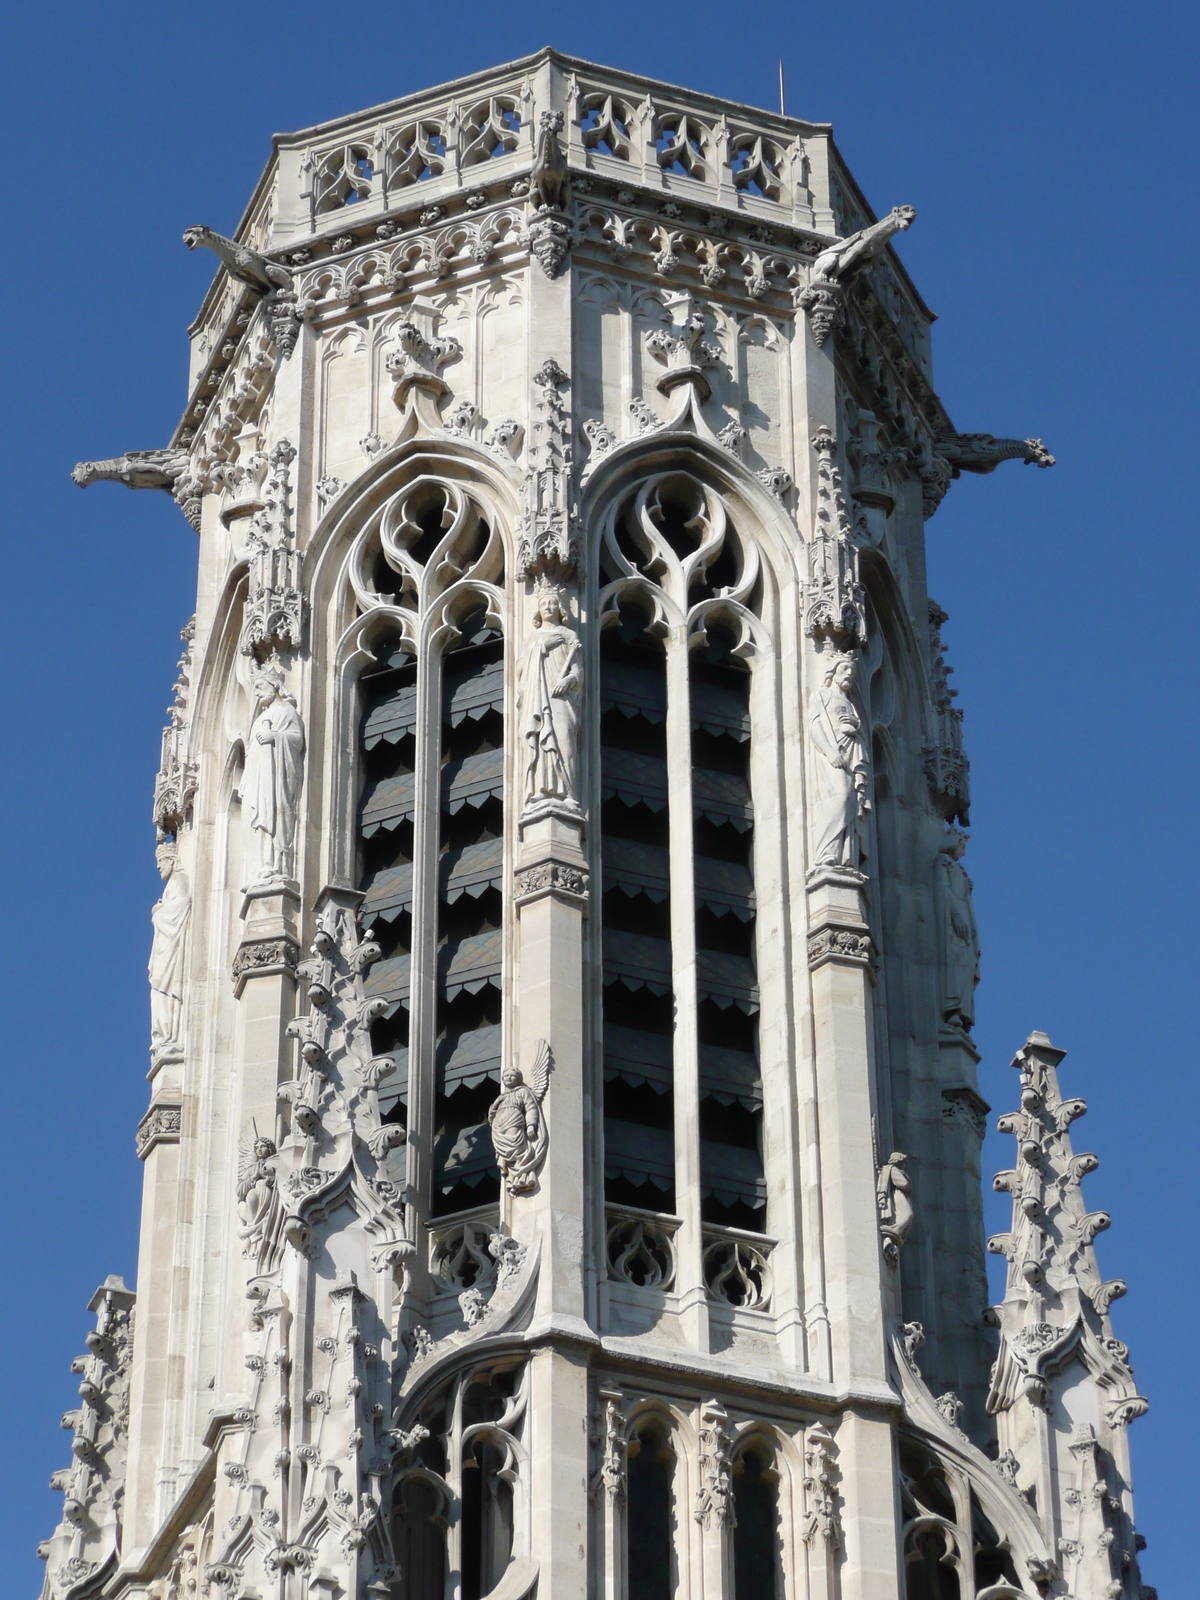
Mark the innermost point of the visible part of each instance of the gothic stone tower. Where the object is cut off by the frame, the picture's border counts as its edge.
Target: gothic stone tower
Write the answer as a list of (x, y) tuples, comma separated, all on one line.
[(562, 1162)]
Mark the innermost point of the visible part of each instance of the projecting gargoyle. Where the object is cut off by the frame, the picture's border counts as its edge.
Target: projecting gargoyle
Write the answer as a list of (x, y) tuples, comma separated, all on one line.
[(242, 263), (982, 452), (840, 262), (137, 469)]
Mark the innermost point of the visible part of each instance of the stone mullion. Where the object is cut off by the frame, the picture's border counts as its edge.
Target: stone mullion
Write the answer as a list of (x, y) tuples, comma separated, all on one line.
[(422, 968), (689, 1245)]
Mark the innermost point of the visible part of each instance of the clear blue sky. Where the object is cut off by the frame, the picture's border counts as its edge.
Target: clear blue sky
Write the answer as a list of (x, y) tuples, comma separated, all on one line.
[(1051, 153)]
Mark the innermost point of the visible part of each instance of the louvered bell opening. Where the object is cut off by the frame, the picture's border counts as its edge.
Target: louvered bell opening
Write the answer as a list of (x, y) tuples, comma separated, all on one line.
[(470, 947), (733, 1188), (387, 750), (639, 1143)]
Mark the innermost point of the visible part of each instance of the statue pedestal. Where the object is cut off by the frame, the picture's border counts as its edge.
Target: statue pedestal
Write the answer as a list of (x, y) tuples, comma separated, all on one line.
[(270, 944)]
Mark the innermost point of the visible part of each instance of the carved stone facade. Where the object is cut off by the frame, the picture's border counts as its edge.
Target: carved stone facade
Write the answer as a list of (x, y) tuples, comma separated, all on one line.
[(562, 1159)]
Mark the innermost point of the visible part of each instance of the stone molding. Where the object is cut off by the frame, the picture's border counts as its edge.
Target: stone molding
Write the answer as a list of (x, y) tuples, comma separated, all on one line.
[(262, 958), (964, 1107), (162, 1124), (847, 945), (551, 877)]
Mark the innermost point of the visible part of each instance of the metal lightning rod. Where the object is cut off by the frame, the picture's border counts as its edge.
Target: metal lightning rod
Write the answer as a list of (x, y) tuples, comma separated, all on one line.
[(782, 112)]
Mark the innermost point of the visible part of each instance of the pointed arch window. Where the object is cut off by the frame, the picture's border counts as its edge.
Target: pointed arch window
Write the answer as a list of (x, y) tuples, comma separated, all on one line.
[(428, 571), (678, 612)]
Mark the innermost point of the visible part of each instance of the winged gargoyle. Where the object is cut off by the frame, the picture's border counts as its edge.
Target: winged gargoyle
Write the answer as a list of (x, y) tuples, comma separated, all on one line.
[(841, 261), (242, 263), (823, 300), (136, 469), (982, 452)]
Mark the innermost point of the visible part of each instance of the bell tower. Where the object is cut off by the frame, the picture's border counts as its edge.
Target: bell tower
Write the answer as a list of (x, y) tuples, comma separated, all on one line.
[(562, 1165)]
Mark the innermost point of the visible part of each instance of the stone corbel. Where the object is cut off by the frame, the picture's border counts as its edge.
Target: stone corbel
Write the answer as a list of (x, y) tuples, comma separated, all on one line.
[(683, 350)]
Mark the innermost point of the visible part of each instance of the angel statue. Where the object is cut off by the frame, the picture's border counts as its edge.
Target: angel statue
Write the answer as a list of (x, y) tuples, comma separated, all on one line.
[(519, 1132), (255, 1186)]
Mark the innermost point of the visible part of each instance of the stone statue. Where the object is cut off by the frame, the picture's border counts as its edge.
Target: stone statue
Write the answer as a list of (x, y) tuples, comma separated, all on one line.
[(271, 784), (242, 263), (892, 1190), (255, 1187), (170, 919), (960, 934), (519, 1132), (136, 469), (553, 678), (548, 183), (983, 452), (840, 789), (842, 260)]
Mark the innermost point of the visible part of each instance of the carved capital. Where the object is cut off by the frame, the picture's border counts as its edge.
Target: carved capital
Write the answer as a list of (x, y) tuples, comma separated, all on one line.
[(162, 1124), (551, 877), (840, 944), (261, 958)]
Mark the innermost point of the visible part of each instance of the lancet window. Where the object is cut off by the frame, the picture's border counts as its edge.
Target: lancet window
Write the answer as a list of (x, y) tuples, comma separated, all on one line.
[(679, 909), (756, 1553), (651, 1513), (431, 825), (469, 938)]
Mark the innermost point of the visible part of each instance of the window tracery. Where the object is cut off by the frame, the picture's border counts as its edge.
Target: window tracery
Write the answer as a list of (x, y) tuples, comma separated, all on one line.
[(460, 1489), (682, 145), (413, 154), (431, 740), (679, 628), (492, 129), (605, 124)]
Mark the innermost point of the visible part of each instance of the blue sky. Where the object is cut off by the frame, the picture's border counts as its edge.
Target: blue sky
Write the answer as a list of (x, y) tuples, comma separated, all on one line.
[(1050, 152)]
